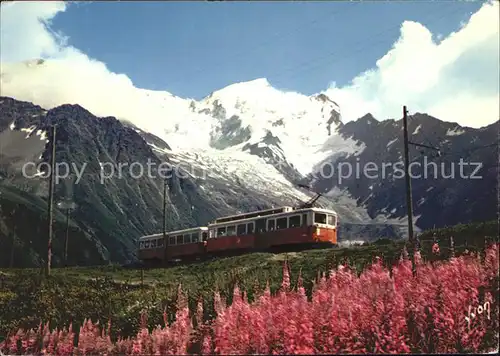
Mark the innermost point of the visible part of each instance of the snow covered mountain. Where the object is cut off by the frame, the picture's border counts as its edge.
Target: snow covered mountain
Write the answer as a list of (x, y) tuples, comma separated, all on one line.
[(286, 128)]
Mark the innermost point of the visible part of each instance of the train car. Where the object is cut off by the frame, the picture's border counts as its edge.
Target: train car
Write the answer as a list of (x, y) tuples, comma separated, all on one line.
[(277, 228), (151, 248), (287, 227), (181, 244)]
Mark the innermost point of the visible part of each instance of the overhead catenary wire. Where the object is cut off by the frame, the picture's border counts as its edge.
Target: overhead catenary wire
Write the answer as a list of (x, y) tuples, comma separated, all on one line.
[(269, 41), (447, 152), (333, 56), (339, 57)]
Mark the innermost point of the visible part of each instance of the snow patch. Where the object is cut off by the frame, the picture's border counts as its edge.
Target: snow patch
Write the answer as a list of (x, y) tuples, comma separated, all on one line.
[(156, 148), (43, 135), (391, 142), (417, 130), (29, 130), (457, 131)]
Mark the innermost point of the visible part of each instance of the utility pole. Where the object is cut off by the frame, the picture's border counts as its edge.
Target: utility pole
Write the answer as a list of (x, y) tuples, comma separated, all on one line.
[(11, 264), (164, 208), (409, 202), (66, 239), (51, 199), (165, 218)]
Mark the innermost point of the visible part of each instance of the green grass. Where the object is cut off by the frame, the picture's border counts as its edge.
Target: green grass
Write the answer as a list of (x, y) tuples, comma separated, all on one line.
[(112, 292)]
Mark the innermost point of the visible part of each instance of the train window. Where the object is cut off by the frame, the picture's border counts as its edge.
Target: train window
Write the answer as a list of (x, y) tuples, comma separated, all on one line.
[(187, 238), (270, 225), (153, 244), (146, 244), (320, 218), (249, 228), (231, 230), (221, 231), (204, 236), (160, 242), (304, 219), (195, 237), (141, 245), (281, 223), (331, 220), (171, 240), (179, 239), (241, 229), (294, 221)]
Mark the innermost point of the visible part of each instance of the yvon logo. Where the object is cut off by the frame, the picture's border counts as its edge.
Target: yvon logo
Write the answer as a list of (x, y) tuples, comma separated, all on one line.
[(478, 311)]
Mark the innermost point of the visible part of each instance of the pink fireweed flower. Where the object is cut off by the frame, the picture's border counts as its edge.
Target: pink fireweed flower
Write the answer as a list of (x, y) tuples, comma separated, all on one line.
[(435, 248)]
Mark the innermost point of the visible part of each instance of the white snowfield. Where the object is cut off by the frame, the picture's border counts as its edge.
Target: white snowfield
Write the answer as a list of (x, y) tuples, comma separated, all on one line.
[(300, 122)]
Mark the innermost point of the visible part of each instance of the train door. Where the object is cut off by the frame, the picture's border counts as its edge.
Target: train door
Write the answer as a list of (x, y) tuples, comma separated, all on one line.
[(260, 233)]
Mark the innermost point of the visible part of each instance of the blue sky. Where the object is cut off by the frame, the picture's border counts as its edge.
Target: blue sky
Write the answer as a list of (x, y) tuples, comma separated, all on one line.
[(193, 48)]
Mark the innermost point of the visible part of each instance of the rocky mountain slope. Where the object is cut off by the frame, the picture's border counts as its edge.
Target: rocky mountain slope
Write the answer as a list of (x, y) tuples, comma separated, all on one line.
[(443, 192)]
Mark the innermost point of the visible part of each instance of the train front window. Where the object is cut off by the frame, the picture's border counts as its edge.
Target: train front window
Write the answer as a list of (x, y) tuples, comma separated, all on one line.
[(195, 237), (204, 236), (319, 218), (187, 238), (304, 219), (331, 220), (146, 244), (270, 225), (294, 221), (153, 244), (221, 231), (281, 223), (141, 245)]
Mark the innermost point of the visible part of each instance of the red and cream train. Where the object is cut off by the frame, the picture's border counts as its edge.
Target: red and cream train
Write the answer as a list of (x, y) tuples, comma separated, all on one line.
[(280, 229)]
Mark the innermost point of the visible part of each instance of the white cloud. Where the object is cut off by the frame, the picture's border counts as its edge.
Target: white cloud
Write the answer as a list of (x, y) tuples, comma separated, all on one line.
[(454, 80), (24, 30)]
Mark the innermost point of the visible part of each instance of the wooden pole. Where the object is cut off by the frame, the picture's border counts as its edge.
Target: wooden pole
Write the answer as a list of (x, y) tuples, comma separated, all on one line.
[(66, 238), (165, 220), (409, 203), (51, 200)]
